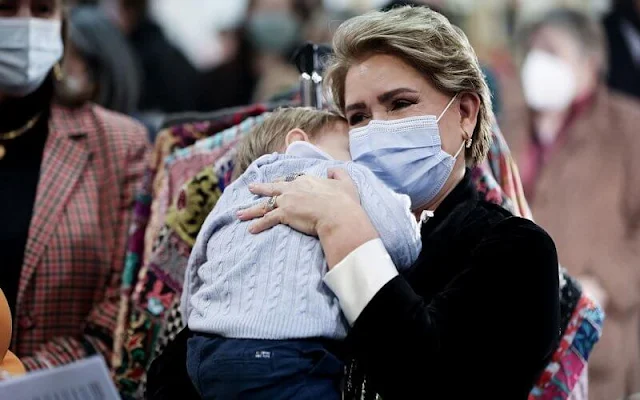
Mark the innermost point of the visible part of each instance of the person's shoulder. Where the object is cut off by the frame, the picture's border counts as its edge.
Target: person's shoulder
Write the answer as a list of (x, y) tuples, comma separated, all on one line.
[(359, 173), (500, 228), (623, 111), (278, 162), (623, 106), (109, 131), (116, 129), (523, 230), (516, 240), (117, 124)]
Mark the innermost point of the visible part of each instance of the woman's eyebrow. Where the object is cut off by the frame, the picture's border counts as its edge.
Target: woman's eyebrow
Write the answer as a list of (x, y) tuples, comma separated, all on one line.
[(355, 106), (385, 97)]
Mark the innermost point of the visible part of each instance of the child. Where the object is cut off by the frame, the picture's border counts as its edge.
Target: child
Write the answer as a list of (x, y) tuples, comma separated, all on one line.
[(263, 319)]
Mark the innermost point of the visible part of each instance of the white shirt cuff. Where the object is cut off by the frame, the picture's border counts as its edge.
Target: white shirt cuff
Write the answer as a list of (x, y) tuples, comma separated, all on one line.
[(357, 278)]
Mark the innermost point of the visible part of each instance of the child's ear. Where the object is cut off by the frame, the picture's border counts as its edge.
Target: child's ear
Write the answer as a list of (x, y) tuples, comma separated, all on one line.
[(296, 135)]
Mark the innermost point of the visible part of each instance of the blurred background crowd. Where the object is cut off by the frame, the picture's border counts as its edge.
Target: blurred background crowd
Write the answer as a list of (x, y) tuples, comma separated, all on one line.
[(167, 56), (564, 74)]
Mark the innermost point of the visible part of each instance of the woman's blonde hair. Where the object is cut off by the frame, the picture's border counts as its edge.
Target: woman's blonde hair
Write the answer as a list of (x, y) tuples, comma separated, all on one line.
[(425, 40)]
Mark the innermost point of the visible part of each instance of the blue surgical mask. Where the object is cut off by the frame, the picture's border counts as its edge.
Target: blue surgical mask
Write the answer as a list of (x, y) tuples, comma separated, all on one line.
[(406, 154)]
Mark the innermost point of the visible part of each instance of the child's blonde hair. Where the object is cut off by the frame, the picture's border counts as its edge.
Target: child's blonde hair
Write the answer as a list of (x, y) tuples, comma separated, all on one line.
[(270, 136)]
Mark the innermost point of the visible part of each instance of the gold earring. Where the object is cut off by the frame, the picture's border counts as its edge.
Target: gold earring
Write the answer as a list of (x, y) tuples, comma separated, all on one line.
[(469, 141), (57, 72)]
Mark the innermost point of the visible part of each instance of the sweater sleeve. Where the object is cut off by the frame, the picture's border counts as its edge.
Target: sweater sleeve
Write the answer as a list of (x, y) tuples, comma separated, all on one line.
[(390, 213), (460, 330)]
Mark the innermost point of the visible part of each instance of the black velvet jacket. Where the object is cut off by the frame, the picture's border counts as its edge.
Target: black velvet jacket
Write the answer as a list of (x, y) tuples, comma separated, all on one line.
[(476, 316)]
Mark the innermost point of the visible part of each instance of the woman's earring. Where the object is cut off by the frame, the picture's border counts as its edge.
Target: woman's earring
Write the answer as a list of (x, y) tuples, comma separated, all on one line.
[(468, 142), (57, 72)]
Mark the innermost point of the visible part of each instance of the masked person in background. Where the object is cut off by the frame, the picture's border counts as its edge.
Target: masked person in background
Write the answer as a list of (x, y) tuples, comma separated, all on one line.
[(68, 174), (577, 147), (261, 67)]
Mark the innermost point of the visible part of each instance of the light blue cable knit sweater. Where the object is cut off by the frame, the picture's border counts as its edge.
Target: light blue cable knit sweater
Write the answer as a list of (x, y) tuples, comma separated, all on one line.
[(269, 286)]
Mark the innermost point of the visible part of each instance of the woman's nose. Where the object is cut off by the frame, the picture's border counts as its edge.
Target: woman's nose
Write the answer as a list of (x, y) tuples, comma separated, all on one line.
[(24, 10), (380, 115)]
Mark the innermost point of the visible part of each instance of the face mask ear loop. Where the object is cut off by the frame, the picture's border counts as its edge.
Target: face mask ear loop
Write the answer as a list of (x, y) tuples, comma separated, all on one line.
[(447, 107), (459, 151)]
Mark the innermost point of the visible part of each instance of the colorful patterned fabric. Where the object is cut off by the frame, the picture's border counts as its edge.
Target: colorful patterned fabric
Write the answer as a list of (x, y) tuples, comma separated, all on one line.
[(570, 359), (497, 178), (67, 302), (159, 287), (168, 140), (180, 137), (159, 283), (182, 165)]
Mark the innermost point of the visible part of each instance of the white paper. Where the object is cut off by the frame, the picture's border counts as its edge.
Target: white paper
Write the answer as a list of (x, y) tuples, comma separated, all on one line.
[(83, 380)]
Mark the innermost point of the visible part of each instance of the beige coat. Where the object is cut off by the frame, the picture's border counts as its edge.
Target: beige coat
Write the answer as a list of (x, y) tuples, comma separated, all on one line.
[(588, 198)]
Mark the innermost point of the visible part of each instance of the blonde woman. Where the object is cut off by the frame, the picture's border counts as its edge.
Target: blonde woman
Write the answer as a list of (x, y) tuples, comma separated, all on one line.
[(478, 312)]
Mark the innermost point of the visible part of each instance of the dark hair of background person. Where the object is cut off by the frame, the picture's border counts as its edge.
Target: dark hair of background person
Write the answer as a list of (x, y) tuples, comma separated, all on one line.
[(58, 93), (114, 75), (168, 78), (233, 82), (624, 68)]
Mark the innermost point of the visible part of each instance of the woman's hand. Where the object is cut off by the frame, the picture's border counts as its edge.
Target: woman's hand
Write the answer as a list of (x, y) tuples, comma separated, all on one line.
[(327, 208)]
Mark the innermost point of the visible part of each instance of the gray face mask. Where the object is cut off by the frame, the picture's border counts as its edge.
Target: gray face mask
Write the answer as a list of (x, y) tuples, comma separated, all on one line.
[(274, 32), (29, 48)]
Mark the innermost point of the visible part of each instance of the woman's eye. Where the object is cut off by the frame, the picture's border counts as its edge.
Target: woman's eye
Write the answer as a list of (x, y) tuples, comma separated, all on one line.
[(400, 104), (43, 8), (356, 119), (8, 7)]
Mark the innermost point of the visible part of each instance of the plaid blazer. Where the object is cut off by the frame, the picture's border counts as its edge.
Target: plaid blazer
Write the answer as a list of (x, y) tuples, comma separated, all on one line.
[(68, 296)]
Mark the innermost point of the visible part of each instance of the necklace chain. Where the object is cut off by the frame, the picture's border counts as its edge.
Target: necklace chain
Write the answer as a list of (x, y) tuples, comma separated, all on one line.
[(5, 136), (20, 131)]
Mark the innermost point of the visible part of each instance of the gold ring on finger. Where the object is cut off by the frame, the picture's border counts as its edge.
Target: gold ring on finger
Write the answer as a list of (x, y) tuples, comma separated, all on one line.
[(271, 203)]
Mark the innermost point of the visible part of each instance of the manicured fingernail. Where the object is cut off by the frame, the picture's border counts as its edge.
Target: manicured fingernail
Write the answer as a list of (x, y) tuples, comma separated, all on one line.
[(239, 214), (252, 229), (252, 186)]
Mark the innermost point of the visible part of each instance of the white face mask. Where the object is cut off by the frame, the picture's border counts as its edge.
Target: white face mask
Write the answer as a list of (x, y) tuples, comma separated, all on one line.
[(29, 48), (548, 82)]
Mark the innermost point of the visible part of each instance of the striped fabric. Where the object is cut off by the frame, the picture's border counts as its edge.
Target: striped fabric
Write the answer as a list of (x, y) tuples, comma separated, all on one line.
[(69, 288)]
